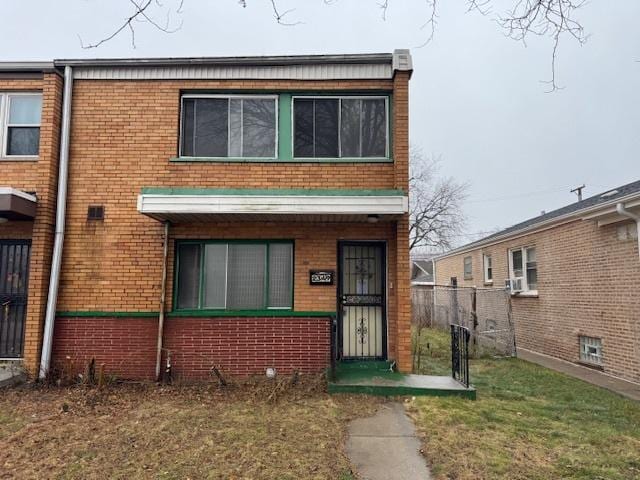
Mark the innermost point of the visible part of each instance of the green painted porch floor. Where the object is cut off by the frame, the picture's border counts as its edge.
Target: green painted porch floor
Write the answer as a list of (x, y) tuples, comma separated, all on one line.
[(376, 378)]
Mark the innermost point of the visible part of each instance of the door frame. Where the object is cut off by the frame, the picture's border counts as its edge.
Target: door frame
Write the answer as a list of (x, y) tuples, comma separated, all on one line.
[(27, 242), (385, 294)]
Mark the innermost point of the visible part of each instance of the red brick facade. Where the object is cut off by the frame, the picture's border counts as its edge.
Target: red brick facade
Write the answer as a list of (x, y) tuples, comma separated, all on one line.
[(236, 345)]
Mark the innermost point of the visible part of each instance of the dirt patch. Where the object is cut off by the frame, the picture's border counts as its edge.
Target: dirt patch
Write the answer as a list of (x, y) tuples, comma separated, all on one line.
[(254, 430)]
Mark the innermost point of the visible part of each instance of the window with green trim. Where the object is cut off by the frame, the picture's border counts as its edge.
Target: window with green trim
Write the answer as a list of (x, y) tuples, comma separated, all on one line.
[(340, 127), (242, 126), (234, 275)]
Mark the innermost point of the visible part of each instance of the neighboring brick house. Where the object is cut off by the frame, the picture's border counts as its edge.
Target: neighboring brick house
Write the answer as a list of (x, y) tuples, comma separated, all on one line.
[(575, 278), (30, 109), (280, 186)]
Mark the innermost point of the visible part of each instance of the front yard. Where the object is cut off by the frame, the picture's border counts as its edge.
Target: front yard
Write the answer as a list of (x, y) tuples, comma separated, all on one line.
[(166, 433), (528, 422)]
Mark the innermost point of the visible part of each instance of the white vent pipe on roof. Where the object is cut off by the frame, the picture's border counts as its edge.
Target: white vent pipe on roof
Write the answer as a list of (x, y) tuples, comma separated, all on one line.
[(626, 213), (61, 208)]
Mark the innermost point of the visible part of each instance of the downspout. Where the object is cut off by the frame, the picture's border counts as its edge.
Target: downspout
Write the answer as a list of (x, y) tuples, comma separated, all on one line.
[(626, 213), (163, 292), (61, 208)]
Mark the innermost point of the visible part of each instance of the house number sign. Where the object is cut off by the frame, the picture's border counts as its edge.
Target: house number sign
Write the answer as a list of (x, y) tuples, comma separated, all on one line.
[(321, 277)]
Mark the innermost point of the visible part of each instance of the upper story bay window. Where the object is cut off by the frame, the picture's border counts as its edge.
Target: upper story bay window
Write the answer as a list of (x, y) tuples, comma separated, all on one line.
[(234, 126), (20, 124), (340, 127)]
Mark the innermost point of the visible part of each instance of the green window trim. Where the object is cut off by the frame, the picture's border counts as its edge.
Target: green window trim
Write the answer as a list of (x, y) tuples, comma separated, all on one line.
[(201, 280), (193, 313), (285, 134)]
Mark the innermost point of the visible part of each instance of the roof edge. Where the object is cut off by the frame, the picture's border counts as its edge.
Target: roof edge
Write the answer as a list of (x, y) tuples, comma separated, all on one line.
[(575, 215), (274, 60), (35, 66)]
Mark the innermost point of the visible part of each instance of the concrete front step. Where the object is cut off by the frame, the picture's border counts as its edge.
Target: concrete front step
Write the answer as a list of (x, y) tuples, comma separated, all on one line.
[(376, 378)]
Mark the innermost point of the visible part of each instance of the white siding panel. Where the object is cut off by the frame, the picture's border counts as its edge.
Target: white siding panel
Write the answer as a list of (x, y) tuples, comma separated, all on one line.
[(239, 72)]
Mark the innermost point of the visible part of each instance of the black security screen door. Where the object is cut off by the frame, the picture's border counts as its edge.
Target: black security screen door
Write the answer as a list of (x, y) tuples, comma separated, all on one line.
[(362, 300), (14, 277)]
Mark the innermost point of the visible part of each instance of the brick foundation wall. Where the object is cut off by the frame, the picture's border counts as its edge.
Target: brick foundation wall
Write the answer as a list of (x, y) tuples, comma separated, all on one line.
[(246, 346), (239, 346), (588, 284)]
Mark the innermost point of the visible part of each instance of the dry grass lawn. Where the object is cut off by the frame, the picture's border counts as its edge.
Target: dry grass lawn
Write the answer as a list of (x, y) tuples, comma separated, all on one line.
[(527, 423), (146, 431)]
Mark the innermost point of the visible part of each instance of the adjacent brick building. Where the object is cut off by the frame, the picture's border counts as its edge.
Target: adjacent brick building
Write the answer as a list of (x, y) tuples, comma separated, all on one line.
[(575, 277), (281, 186)]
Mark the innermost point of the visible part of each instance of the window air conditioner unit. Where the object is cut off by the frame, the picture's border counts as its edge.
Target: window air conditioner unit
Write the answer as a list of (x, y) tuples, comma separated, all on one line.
[(514, 285)]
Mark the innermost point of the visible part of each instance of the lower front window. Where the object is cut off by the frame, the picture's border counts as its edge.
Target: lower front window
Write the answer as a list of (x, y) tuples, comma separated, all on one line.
[(234, 275)]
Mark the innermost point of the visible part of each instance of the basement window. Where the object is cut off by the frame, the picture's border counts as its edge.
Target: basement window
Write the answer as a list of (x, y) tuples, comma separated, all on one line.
[(20, 121), (234, 275), (233, 126), (591, 350)]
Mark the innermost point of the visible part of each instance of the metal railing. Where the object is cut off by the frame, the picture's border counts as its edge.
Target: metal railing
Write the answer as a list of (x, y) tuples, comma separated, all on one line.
[(460, 354)]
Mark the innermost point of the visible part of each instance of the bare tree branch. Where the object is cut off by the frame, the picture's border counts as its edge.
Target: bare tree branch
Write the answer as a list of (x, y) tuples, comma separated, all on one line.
[(544, 18), (140, 13), (280, 16), (435, 205)]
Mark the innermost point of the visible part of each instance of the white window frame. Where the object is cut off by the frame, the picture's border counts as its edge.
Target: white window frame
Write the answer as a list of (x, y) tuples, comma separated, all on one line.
[(587, 341), (525, 284), (464, 267), (230, 96), (340, 98), (486, 259), (5, 102)]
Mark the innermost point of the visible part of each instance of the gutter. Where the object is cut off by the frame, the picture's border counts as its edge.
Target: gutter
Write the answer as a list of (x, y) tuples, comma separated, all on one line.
[(61, 207), (620, 208)]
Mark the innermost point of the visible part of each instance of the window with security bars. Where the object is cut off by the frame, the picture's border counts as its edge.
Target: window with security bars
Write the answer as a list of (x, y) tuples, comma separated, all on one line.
[(242, 275), (591, 350)]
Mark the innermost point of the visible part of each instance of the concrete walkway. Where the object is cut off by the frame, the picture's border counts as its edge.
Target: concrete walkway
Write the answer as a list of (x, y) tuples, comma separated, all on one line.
[(622, 387), (385, 446)]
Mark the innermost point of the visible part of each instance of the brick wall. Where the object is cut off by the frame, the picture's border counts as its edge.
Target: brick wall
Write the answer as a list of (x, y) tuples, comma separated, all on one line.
[(40, 176), (588, 284), (123, 136), (239, 346)]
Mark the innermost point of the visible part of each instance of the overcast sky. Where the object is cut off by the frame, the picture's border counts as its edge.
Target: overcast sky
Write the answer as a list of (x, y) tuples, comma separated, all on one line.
[(477, 100)]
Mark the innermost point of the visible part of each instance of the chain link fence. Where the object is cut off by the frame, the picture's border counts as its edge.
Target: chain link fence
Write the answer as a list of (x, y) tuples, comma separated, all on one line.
[(486, 312)]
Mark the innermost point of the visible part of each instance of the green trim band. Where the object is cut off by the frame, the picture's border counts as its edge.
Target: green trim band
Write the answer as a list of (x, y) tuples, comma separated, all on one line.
[(108, 314), (310, 192), (197, 313), (247, 313), (277, 160)]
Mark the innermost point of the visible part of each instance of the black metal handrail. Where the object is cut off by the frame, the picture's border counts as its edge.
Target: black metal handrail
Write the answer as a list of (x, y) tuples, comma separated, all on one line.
[(460, 354), (333, 325)]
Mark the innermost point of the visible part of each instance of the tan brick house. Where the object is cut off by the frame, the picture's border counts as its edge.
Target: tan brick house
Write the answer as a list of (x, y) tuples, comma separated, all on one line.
[(30, 114), (574, 274), (229, 212)]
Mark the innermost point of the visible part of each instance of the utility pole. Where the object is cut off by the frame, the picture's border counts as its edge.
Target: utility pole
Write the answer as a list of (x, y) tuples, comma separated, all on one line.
[(578, 191)]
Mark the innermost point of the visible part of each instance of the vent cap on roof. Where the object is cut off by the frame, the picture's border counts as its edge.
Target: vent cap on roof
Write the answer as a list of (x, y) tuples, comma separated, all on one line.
[(610, 193)]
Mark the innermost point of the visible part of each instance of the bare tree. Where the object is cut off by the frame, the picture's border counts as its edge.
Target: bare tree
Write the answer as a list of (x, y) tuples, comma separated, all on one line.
[(435, 205), (551, 18)]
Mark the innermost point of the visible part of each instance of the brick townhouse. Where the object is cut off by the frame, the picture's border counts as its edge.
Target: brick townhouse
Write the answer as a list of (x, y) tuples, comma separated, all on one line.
[(574, 274), (228, 212)]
